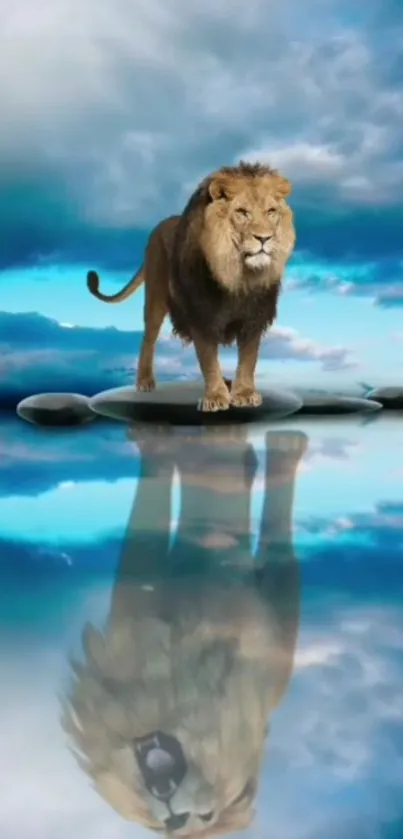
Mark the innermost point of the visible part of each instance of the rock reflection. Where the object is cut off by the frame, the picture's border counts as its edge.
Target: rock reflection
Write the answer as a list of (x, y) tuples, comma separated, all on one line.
[(169, 709)]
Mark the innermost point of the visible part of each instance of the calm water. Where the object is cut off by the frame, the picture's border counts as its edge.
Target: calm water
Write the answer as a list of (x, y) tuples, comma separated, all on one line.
[(202, 629)]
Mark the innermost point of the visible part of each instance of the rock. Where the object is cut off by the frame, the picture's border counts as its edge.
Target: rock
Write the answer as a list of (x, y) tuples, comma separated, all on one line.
[(328, 405), (56, 409), (390, 398), (177, 404)]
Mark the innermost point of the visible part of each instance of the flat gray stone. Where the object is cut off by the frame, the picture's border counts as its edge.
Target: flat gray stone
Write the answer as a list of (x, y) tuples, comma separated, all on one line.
[(390, 398), (328, 405), (177, 404), (56, 409)]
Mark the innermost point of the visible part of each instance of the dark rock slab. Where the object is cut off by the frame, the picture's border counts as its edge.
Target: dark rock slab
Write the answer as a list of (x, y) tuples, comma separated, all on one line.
[(391, 398), (56, 409), (329, 405), (177, 404)]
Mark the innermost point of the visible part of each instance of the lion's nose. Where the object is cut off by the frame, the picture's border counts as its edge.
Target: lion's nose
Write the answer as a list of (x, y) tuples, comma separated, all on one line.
[(176, 822), (262, 239)]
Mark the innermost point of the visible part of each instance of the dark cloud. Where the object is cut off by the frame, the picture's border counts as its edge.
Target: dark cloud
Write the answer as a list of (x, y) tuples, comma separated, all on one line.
[(41, 224), (67, 561), (38, 354), (356, 567), (352, 237), (382, 280), (35, 460), (115, 114), (349, 544)]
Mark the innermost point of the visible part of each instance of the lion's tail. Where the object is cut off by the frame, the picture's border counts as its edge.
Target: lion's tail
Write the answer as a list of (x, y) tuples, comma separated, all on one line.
[(126, 291)]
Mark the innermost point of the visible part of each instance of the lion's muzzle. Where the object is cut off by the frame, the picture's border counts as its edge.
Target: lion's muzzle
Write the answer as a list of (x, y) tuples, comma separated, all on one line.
[(258, 260), (162, 764)]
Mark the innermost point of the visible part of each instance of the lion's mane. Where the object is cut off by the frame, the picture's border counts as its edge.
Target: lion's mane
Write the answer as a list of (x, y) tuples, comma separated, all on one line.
[(208, 676), (221, 310)]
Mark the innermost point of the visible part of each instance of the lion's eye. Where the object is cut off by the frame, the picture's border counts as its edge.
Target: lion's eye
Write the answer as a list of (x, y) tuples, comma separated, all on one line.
[(242, 212), (271, 211)]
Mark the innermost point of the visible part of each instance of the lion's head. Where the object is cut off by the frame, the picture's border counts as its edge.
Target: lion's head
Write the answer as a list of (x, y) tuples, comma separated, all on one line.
[(247, 232), (168, 716)]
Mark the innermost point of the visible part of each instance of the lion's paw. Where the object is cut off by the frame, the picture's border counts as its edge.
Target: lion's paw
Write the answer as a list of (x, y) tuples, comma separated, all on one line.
[(218, 400), (145, 385), (246, 397), (289, 442)]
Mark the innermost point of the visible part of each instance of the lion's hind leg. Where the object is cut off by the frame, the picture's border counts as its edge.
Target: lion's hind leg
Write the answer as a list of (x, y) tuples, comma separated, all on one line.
[(277, 567), (155, 311), (145, 371)]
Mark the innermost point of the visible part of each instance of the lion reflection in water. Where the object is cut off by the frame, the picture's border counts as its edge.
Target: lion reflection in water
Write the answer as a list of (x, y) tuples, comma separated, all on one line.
[(169, 711)]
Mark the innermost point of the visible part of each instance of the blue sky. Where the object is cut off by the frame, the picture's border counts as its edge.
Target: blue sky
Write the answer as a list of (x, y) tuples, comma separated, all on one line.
[(119, 109), (333, 762)]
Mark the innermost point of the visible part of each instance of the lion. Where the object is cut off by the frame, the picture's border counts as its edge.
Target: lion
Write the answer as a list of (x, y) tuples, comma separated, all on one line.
[(169, 710), (216, 270)]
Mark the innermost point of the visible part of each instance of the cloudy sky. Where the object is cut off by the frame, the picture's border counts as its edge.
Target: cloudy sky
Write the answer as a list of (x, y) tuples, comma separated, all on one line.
[(111, 112), (333, 765)]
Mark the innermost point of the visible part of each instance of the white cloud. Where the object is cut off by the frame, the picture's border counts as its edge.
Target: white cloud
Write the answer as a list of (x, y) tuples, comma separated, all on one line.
[(358, 651), (44, 794), (331, 737), (283, 342), (304, 162), (334, 752), (127, 103)]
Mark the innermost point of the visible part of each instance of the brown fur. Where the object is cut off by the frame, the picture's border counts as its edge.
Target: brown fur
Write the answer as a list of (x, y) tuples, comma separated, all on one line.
[(210, 270), (192, 646)]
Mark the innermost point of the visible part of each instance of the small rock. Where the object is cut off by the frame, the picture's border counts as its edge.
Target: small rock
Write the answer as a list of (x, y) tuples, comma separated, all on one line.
[(390, 398), (56, 409), (328, 405), (177, 404)]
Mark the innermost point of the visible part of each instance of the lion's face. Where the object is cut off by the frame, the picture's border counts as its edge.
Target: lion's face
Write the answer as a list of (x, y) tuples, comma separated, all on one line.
[(254, 216), (171, 726), (248, 226), (179, 789)]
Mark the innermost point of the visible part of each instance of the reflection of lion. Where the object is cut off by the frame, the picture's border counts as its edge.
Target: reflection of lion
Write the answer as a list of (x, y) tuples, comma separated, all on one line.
[(169, 710), (216, 269)]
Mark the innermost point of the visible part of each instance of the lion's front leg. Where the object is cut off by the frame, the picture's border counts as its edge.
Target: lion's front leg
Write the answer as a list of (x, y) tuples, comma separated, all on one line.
[(277, 567), (243, 390), (216, 394), (217, 467)]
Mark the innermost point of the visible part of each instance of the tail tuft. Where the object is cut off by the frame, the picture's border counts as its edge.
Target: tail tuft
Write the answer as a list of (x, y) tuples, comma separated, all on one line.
[(92, 282)]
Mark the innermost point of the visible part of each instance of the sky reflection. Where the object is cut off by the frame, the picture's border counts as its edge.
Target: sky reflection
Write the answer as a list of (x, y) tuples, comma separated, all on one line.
[(333, 760)]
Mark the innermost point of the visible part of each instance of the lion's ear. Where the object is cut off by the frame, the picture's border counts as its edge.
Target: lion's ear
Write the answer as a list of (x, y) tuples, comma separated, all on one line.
[(282, 186), (216, 190)]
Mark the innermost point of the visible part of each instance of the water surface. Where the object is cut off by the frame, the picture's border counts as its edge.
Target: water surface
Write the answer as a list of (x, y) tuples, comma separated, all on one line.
[(247, 586)]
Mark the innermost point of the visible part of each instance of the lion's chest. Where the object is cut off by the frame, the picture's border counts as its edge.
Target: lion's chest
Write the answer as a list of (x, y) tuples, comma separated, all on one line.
[(235, 314), (222, 317)]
